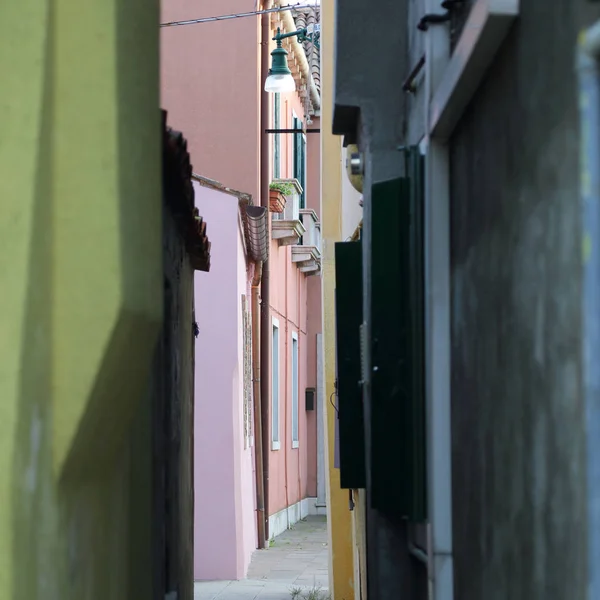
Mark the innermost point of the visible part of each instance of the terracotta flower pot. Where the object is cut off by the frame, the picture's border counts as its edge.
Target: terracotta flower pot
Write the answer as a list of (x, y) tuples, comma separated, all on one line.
[(276, 201)]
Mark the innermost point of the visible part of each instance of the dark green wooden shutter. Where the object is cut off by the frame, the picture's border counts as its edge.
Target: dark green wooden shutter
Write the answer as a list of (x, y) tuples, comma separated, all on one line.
[(415, 165), (349, 316), (296, 125), (303, 170), (300, 160), (397, 325), (277, 137)]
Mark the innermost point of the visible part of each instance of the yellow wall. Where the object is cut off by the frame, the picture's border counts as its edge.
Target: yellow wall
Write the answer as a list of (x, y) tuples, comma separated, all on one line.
[(339, 517), (81, 278)]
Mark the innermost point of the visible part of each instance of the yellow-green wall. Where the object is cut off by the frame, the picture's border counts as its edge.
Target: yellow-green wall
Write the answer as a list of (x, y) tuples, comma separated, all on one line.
[(339, 516), (81, 275)]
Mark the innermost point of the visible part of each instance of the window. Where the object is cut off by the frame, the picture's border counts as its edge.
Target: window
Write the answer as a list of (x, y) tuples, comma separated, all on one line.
[(275, 387), (276, 136), (295, 384), (300, 158)]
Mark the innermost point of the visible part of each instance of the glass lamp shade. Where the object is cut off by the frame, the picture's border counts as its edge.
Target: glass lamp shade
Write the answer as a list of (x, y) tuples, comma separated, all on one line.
[(280, 83)]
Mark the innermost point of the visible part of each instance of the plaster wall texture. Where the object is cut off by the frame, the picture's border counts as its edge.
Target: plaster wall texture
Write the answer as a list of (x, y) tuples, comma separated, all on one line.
[(288, 466), (314, 312), (224, 500), (75, 355), (210, 86), (292, 471), (517, 407)]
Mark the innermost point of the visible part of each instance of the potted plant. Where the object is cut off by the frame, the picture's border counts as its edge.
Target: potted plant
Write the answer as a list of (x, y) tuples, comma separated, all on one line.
[(278, 190)]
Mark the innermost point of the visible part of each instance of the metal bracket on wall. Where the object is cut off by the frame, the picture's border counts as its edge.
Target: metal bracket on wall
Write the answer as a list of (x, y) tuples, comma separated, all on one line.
[(292, 131), (451, 4), (409, 82), (311, 34), (432, 19), (436, 19)]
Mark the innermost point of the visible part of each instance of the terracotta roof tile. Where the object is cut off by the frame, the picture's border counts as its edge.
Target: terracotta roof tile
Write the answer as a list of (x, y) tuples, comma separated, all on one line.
[(178, 193), (303, 18)]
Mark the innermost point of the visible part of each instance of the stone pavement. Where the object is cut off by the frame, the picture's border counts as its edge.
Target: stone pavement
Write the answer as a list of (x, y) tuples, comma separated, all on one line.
[(298, 558)]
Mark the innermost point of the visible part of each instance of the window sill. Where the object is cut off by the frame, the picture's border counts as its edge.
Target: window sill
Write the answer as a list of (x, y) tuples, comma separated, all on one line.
[(295, 445), (302, 254), (275, 445), (287, 232), (307, 258)]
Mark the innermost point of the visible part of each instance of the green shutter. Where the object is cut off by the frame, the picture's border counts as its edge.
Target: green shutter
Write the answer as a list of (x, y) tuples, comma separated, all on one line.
[(397, 326), (303, 170), (349, 316), (296, 150), (276, 137), (299, 160)]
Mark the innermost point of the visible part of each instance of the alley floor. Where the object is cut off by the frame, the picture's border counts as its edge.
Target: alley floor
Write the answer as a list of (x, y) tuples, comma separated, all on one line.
[(294, 565)]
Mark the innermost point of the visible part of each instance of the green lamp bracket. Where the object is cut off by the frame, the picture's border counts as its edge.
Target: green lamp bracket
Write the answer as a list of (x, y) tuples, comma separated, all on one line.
[(310, 34)]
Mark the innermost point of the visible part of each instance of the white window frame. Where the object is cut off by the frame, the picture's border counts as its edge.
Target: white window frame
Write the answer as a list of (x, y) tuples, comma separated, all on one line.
[(295, 391), (275, 385)]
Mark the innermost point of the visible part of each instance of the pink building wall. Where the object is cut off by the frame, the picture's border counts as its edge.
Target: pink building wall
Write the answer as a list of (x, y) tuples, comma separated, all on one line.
[(293, 471), (314, 323), (224, 522), (288, 466), (211, 88)]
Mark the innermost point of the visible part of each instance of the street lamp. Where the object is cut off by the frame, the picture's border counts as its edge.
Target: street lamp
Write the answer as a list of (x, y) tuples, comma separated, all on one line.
[(279, 79)]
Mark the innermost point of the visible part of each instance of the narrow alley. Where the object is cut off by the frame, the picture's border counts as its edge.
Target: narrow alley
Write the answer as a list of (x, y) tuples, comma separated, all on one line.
[(294, 567), (300, 300)]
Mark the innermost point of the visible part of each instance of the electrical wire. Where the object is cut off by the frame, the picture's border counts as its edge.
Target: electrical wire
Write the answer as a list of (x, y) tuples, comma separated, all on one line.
[(332, 403), (276, 9)]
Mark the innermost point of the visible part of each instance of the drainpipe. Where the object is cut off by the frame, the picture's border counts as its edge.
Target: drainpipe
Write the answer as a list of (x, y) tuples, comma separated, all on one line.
[(256, 233), (256, 385), (264, 307), (588, 66), (437, 343)]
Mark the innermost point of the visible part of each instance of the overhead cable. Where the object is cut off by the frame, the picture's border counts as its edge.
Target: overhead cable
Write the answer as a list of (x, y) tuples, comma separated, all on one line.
[(237, 15)]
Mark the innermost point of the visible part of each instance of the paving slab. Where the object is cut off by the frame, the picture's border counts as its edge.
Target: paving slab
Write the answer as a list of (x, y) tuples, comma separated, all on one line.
[(298, 558)]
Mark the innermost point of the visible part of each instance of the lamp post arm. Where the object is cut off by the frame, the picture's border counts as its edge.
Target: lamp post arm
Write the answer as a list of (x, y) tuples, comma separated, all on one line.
[(282, 36), (303, 35)]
